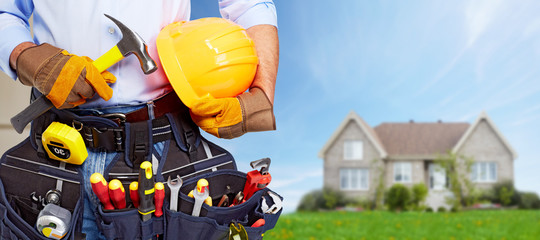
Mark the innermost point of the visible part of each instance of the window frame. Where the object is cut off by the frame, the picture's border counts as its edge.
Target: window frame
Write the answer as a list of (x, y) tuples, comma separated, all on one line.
[(362, 174), (350, 148), (479, 169), (402, 171)]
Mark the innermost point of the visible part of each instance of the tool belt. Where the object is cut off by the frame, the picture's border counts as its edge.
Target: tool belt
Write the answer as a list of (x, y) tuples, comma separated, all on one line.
[(26, 174)]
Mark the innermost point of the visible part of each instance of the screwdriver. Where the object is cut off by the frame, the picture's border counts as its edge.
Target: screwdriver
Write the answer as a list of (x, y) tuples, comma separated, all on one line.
[(158, 198), (134, 193), (99, 186), (117, 194), (146, 191)]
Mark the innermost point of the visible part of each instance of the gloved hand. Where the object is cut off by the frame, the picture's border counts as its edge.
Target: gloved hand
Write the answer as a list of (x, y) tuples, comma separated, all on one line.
[(65, 79), (232, 117)]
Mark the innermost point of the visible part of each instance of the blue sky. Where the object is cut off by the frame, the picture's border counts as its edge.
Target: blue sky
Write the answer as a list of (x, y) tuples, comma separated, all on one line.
[(392, 61)]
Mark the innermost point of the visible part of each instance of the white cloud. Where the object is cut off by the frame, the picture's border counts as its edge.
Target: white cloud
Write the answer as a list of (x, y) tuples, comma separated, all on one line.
[(479, 15)]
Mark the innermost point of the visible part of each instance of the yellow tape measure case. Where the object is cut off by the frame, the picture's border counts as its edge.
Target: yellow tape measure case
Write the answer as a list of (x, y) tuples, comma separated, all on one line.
[(64, 143)]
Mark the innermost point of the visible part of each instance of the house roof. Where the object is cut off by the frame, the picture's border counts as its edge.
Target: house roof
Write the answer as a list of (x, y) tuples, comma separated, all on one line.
[(423, 139), (413, 139), (371, 135)]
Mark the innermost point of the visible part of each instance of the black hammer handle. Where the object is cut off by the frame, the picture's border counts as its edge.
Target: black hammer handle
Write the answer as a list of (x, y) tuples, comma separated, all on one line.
[(38, 107)]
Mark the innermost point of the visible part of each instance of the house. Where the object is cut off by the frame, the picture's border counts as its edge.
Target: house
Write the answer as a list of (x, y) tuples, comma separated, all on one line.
[(358, 157)]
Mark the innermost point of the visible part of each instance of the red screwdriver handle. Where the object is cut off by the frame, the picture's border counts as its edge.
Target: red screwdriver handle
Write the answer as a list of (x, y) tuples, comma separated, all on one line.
[(117, 194), (159, 195), (134, 194), (99, 186)]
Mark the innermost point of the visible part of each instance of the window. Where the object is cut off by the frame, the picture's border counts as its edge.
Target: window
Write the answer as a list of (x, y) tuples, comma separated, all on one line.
[(402, 172), (353, 150), (484, 172), (354, 179)]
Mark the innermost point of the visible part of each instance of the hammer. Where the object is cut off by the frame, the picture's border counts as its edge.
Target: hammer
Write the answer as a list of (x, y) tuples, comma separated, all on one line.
[(130, 43)]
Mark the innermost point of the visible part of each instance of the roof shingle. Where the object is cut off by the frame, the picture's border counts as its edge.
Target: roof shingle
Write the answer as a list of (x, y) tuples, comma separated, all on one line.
[(419, 138)]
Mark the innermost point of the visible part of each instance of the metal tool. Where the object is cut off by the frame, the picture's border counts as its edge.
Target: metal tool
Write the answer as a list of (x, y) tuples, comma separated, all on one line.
[(53, 221), (117, 194), (130, 43), (201, 194), (257, 179), (238, 199), (146, 191), (174, 185), (237, 231), (158, 198), (99, 186), (225, 199), (275, 207)]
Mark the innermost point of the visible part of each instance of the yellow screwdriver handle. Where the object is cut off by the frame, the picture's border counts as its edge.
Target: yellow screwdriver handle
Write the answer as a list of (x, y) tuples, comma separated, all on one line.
[(108, 59)]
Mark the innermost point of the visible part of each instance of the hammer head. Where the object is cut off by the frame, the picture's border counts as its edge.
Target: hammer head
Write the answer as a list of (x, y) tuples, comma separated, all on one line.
[(130, 43)]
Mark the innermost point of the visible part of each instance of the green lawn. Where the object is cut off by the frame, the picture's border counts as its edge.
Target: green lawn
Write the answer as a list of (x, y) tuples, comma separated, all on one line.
[(474, 225)]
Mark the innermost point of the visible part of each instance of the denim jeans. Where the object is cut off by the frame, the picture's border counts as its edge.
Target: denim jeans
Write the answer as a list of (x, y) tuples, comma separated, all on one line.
[(98, 161)]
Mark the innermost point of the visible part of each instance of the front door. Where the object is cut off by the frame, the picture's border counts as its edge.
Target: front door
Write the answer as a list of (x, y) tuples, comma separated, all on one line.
[(437, 177)]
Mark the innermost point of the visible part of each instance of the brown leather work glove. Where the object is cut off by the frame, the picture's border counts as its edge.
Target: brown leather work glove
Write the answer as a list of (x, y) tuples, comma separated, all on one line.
[(232, 117), (65, 79)]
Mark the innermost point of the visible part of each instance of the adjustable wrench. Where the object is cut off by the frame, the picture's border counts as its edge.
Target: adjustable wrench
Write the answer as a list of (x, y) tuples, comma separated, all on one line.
[(257, 179), (174, 185)]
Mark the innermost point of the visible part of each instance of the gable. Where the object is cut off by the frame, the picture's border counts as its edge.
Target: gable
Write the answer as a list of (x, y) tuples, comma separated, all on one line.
[(353, 127), (484, 143), (484, 138)]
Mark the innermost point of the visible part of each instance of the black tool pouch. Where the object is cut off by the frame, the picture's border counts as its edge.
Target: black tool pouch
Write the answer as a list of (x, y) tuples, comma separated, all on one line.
[(26, 177), (214, 222), (185, 153), (27, 174)]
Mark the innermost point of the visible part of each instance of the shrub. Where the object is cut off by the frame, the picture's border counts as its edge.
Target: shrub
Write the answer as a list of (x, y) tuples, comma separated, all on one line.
[(322, 199), (505, 194), (312, 201), (529, 200), (442, 209), (333, 198), (397, 197), (364, 203), (429, 209), (419, 194)]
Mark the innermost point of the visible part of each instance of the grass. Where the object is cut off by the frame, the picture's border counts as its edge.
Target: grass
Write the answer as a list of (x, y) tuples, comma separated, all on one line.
[(474, 225)]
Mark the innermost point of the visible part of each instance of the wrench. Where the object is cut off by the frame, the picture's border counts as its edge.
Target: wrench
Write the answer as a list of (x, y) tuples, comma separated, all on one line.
[(201, 194), (274, 208), (174, 185)]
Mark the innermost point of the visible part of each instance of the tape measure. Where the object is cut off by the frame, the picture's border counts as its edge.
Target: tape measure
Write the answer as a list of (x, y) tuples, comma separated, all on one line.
[(64, 143), (53, 221)]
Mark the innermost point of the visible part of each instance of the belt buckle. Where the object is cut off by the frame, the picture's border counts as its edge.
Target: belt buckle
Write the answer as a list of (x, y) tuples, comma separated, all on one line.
[(119, 118)]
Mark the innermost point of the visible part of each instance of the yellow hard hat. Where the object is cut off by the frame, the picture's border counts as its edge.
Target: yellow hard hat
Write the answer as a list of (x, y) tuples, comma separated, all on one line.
[(207, 56)]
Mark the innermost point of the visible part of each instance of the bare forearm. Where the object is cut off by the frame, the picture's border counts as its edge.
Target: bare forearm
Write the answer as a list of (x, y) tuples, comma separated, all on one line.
[(17, 51), (267, 45)]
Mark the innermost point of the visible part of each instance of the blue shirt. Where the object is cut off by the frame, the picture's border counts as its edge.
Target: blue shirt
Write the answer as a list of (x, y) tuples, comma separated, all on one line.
[(81, 28)]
